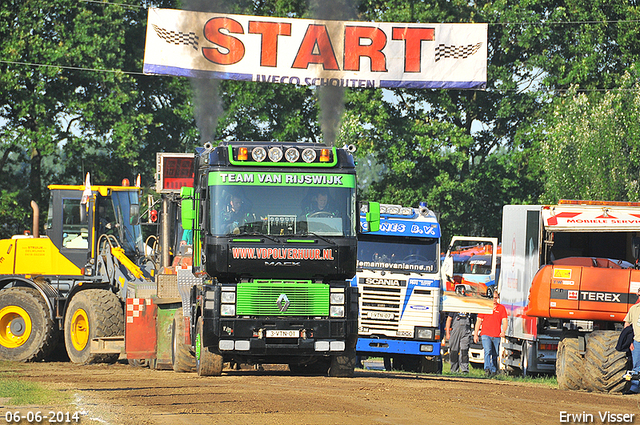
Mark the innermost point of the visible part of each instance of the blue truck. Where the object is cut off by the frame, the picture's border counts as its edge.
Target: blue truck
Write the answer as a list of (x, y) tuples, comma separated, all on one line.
[(398, 279)]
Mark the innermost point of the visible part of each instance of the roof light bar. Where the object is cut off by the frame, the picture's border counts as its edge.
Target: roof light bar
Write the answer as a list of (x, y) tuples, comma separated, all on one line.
[(284, 155), (603, 203)]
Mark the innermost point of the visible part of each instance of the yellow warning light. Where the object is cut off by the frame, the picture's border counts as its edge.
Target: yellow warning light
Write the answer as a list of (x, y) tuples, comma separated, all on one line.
[(325, 155)]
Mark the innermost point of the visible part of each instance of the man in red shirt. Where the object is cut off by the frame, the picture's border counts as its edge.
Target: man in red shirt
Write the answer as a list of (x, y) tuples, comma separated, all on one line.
[(494, 326)]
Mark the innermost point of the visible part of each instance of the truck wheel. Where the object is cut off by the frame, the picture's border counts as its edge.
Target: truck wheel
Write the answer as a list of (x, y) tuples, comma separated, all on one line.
[(93, 313), (569, 365), (27, 332), (208, 363), (408, 363), (181, 357), (343, 365), (387, 363), (605, 365), (432, 364), (524, 359), (489, 293)]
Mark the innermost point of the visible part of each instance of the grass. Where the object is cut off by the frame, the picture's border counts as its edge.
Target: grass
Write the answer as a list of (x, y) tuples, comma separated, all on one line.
[(547, 380), (19, 392), (475, 372)]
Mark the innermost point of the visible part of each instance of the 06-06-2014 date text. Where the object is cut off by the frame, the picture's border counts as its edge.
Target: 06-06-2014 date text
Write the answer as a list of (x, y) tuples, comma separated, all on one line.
[(38, 417)]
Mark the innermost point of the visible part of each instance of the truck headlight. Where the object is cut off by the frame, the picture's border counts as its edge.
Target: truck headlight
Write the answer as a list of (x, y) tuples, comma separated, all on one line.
[(337, 298), (336, 311), (228, 297), (227, 309), (424, 333)]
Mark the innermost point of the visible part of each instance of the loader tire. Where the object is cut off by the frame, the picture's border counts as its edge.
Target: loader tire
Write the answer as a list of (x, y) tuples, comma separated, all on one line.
[(182, 359), (208, 363), (92, 313), (605, 365), (27, 332), (569, 365)]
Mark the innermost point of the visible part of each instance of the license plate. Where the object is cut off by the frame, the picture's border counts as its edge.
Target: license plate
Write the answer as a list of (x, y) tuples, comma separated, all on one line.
[(282, 334), (379, 315)]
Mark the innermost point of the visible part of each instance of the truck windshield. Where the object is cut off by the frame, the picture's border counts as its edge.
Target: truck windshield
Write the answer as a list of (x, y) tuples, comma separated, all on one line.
[(282, 210), (397, 253)]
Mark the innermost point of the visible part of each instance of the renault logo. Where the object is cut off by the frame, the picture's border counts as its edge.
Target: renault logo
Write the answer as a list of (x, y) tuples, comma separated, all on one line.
[(283, 302)]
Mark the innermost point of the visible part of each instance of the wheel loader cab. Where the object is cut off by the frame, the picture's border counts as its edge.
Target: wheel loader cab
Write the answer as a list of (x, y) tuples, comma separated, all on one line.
[(68, 227), (75, 227)]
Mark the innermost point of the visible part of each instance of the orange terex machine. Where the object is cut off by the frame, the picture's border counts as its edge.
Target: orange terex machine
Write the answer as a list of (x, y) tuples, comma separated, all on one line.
[(569, 276), (598, 290)]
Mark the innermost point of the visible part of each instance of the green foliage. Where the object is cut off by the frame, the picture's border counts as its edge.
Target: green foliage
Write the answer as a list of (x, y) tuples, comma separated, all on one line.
[(590, 150), (467, 153), (14, 217)]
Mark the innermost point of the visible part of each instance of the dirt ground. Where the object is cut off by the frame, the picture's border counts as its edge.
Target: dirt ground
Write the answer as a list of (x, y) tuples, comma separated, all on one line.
[(120, 394)]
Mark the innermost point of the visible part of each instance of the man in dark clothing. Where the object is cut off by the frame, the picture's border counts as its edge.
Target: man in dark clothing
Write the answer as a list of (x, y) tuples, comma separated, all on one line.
[(458, 333)]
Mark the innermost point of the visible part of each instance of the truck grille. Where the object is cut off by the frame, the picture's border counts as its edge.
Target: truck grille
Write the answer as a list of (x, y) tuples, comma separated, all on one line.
[(260, 298), (380, 309)]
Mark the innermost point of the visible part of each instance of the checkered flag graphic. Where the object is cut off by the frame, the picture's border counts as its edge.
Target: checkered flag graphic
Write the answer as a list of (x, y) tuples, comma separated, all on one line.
[(177, 37), (456, 52)]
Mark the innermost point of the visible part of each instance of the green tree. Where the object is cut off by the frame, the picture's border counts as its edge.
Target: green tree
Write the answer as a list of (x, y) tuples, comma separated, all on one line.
[(590, 149), (72, 98), (470, 152)]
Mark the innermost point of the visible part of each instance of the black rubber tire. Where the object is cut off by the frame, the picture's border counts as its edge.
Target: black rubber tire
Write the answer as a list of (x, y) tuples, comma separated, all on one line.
[(489, 293), (605, 366), (105, 316), (569, 365), (44, 333), (387, 363), (524, 359), (138, 362), (343, 365), (431, 365), (208, 363), (182, 359), (407, 363)]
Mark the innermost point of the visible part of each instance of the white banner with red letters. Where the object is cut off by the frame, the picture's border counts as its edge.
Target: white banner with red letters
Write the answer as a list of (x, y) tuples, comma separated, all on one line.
[(315, 52)]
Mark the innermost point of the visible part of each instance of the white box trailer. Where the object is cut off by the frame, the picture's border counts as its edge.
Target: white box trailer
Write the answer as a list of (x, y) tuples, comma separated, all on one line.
[(534, 236)]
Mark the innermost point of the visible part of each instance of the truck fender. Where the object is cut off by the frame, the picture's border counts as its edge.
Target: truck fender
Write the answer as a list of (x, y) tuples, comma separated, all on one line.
[(48, 292)]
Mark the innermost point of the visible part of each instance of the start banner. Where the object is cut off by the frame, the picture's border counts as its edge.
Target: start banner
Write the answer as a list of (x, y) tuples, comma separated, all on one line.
[(315, 52)]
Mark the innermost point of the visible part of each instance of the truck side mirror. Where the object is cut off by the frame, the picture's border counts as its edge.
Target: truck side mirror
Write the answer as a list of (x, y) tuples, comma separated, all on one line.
[(373, 216), (188, 213), (635, 246)]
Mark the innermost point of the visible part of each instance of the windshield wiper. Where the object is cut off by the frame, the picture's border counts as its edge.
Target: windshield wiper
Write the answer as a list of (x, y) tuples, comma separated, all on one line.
[(260, 235), (329, 241)]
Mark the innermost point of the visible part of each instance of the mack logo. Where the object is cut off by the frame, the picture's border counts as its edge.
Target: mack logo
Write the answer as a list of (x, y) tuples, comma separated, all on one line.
[(386, 282), (600, 296), (282, 263), (283, 302)]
